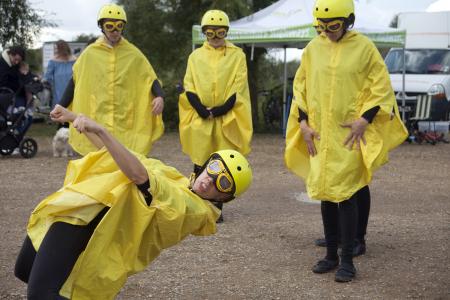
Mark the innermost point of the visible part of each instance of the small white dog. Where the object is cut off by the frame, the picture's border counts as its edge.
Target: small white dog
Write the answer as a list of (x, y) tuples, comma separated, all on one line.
[(61, 147)]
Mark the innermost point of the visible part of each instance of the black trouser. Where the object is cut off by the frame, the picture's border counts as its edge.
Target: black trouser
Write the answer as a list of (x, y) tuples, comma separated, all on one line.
[(46, 270), (343, 217), (363, 204)]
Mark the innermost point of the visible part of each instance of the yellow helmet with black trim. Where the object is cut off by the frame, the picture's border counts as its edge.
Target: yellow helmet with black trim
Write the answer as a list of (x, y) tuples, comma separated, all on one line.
[(239, 169), (215, 17), (112, 11), (329, 9)]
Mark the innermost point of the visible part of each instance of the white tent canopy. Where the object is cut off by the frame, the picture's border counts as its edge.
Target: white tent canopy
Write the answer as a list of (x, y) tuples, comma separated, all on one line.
[(287, 23)]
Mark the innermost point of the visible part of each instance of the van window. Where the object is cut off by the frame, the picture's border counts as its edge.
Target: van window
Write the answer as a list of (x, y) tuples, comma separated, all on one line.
[(419, 61)]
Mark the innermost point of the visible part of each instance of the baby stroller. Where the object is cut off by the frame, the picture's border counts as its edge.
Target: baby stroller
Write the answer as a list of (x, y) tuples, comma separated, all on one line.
[(12, 133)]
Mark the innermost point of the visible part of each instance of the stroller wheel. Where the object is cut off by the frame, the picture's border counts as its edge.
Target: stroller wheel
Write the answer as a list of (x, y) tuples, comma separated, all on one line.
[(28, 148)]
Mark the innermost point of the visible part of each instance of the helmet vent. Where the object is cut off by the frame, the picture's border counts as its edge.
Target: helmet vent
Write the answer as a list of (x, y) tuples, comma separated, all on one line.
[(317, 9), (110, 12), (232, 155), (239, 168), (326, 9)]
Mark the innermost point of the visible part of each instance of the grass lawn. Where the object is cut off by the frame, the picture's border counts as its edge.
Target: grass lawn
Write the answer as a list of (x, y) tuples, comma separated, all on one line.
[(42, 128)]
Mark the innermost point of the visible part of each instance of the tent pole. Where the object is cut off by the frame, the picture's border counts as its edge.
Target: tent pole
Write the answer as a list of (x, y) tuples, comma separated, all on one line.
[(403, 86), (252, 52), (284, 92)]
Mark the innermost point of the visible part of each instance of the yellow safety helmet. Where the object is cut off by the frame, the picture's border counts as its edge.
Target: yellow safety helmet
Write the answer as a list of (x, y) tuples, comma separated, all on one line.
[(215, 17), (239, 168), (329, 9), (112, 11)]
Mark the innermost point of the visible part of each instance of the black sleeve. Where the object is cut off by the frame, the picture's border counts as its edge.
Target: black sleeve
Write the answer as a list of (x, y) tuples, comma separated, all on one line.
[(197, 105), (371, 113), (67, 97), (144, 190), (302, 115), (157, 90), (218, 111)]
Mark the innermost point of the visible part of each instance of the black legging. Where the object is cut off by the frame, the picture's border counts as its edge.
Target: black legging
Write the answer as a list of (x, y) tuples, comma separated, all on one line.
[(48, 269), (363, 204), (343, 217)]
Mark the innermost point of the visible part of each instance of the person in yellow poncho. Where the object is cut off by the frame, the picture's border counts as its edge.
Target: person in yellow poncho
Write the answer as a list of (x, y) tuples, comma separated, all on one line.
[(363, 205), (116, 211), (215, 109), (348, 122), (114, 84)]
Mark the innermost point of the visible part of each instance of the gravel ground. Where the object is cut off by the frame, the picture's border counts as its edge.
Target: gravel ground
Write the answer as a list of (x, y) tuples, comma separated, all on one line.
[(265, 248)]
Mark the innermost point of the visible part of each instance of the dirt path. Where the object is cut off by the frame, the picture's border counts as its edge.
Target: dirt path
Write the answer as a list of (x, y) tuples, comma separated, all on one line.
[(265, 250)]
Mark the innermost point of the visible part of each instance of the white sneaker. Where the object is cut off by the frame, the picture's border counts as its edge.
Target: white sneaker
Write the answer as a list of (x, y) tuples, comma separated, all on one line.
[(16, 152)]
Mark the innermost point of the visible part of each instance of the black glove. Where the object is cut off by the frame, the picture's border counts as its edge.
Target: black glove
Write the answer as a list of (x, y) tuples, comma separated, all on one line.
[(197, 105), (302, 115), (157, 90), (67, 97), (221, 110)]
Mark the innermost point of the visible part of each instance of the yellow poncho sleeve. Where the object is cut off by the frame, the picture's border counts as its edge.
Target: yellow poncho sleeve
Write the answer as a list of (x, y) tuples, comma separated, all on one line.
[(214, 75), (387, 130), (237, 124), (112, 86), (131, 234), (296, 149)]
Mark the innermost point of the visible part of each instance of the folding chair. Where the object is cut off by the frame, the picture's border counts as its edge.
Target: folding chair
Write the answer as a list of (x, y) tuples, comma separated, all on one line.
[(424, 113)]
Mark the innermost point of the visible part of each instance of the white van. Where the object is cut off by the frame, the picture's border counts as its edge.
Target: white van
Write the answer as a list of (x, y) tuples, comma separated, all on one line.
[(427, 60)]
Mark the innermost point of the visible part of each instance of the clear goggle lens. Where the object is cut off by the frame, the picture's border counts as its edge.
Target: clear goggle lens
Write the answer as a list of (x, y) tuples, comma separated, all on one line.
[(223, 180), (219, 33)]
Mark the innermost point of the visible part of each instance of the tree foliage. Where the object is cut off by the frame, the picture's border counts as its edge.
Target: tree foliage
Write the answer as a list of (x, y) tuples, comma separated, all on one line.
[(20, 23)]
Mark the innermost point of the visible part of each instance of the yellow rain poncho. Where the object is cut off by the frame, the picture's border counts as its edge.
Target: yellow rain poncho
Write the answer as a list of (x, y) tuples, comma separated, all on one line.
[(131, 234), (215, 75), (335, 84), (112, 86)]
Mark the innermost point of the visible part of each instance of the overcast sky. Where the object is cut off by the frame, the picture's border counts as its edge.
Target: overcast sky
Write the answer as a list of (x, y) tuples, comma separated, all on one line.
[(75, 17)]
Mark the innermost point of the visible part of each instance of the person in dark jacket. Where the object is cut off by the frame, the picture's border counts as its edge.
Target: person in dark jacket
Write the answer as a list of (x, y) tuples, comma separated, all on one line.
[(9, 67)]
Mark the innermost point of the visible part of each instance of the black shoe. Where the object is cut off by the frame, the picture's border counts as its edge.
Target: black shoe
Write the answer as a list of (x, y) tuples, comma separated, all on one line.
[(345, 273), (325, 265), (359, 248), (220, 219), (219, 205)]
